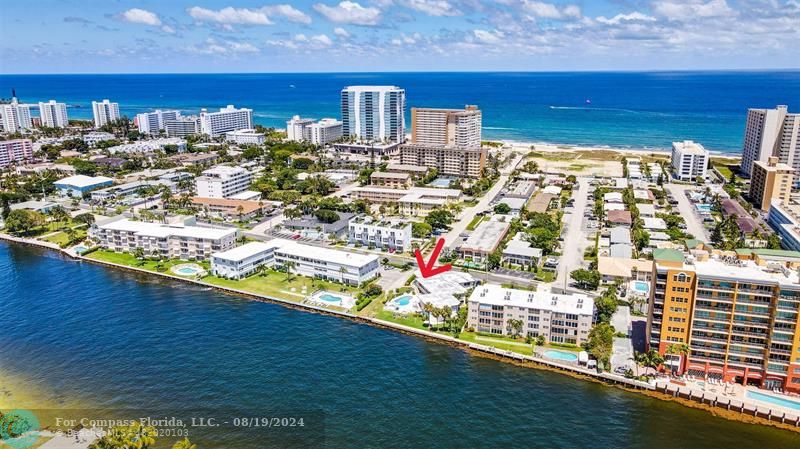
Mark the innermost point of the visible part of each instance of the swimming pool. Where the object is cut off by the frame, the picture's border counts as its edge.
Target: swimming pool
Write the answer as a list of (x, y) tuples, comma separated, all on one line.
[(187, 269), (403, 300), (641, 286), (703, 207), (773, 400), (561, 355), (327, 297), (80, 249)]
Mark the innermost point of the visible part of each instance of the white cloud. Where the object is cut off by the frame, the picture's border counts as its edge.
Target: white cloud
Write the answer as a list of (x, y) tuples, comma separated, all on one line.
[(230, 16), (436, 8), (550, 11), (350, 12), (289, 12), (143, 16), (168, 29), (632, 17), (686, 10), (488, 37), (215, 47), (303, 42), (341, 32)]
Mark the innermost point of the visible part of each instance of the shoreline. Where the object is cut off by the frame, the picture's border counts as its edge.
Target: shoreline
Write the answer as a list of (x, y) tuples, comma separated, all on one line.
[(748, 413), (634, 150)]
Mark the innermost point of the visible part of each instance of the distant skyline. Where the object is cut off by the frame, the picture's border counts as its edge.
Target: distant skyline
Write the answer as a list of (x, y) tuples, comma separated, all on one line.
[(197, 36)]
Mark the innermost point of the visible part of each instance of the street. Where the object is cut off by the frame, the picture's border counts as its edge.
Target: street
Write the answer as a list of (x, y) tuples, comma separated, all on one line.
[(575, 239)]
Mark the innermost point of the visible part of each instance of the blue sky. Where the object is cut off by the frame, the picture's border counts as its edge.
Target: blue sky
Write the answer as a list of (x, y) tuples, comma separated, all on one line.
[(126, 36)]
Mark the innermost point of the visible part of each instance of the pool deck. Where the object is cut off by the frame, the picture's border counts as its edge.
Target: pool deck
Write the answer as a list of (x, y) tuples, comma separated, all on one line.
[(747, 408)]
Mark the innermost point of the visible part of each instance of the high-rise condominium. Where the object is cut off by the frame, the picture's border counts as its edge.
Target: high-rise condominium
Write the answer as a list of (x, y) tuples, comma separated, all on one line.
[(104, 112), (374, 113), (154, 122), (227, 119), (53, 114), (15, 116), (458, 128), (771, 132)]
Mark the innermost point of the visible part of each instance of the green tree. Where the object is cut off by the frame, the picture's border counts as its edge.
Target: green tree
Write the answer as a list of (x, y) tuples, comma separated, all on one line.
[(85, 218), (606, 304), (514, 327), (587, 279), (421, 230), (439, 219), (502, 209), (326, 216), (184, 444), (774, 241), (493, 260), (134, 436), (24, 221), (600, 343)]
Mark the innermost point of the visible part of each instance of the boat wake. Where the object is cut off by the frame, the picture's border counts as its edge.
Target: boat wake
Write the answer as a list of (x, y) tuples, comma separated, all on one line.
[(589, 108)]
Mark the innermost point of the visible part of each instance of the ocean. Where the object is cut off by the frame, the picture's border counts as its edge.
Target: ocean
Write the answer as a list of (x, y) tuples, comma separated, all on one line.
[(625, 109), (123, 341)]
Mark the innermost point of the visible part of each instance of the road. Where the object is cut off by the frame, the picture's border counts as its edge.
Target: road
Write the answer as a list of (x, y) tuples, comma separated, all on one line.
[(575, 238), (452, 237), (694, 225)]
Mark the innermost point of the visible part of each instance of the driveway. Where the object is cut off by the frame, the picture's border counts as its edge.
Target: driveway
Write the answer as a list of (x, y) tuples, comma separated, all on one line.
[(575, 238), (694, 225)]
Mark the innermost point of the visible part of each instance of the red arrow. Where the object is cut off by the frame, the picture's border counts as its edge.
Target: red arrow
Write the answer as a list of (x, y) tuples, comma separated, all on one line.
[(426, 269)]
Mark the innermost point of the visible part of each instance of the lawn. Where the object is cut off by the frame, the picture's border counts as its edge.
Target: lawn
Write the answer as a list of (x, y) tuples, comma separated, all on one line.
[(724, 170), (62, 239), (507, 344), (474, 223), (273, 283), (415, 321)]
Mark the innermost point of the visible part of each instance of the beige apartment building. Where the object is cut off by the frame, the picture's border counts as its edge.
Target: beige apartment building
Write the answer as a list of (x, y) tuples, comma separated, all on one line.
[(770, 181), (449, 161), (177, 240), (392, 180), (564, 319), (458, 128), (736, 311)]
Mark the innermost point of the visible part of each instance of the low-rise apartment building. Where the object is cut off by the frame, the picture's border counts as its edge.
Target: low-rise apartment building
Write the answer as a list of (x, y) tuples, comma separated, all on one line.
[(177, 240), (245, 137), (784, 218), (15, 151), (392, 236), (231, 208), (311, 261), (564, 319), (737, 312), (416, 201), (391, 180), (484, 240)]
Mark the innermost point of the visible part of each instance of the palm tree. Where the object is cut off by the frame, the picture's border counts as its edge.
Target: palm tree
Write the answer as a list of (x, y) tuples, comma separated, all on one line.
[(679, 349), (289, 265), (342, 271), (514, 327), (138, 253)]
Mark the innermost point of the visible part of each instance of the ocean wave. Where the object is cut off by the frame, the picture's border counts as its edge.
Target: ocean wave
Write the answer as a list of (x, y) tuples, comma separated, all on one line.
[(499, 127), (588, 108)]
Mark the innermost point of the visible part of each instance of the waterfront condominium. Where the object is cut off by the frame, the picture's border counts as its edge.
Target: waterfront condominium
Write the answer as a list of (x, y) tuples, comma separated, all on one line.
[(736, 311), (771, 132), (325, 131), (450, 161), (689, 160), (182, 126), (784, 218), (153, 123), (564, 319), (177, 240), (104, 112), (53, 114), (227, 119), (298, 128), (16, 116), (17, 150), (770, 181), (374, 113), (321, 263), (458, 128), (222, 182)]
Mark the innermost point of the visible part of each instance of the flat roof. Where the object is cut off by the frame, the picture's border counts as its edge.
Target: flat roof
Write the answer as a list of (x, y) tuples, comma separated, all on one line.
[(166, 230), (522, 248), (514, 203), (384, 174), (576, 303), (83, 181), (241, 253), (327, 254), (619, 267), (486, 236)]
